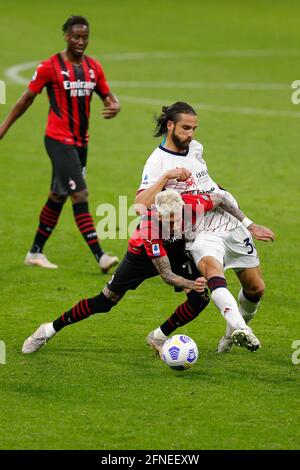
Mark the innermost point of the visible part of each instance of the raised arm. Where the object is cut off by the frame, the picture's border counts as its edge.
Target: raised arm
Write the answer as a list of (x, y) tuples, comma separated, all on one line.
[(18, 109), (163, 266)]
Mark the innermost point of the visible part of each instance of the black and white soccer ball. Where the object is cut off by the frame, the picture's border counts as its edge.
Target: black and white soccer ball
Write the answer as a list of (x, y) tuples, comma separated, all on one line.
[(180, 352)]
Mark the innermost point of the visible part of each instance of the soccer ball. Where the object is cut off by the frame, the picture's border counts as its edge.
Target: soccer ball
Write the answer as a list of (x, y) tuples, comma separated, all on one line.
[(180, 352)]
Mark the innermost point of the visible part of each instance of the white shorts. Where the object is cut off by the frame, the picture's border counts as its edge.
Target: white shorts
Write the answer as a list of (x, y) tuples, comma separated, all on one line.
[(233, 249)]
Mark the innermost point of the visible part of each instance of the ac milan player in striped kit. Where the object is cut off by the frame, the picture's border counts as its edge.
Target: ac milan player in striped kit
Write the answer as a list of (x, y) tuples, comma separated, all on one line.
[(70, 78), (149, 254), (156, 247)]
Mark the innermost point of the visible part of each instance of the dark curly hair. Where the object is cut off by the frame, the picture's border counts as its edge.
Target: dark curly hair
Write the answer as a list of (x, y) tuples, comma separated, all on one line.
[(171, 113), (74, 19)]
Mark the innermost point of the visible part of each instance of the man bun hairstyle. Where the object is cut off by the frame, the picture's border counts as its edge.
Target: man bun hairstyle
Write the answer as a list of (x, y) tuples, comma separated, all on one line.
[(74, 19), (171, 113)]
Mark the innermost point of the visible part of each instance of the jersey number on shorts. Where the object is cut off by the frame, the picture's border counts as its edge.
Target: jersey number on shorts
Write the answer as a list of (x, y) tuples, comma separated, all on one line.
[(249, 244)]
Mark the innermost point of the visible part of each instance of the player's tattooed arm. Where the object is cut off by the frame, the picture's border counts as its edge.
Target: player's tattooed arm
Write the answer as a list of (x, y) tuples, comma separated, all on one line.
[(259, 232), (163, 266), (225, 204)]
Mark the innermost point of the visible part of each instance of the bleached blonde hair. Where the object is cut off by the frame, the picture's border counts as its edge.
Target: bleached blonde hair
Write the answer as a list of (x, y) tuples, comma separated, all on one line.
[(168, 202)]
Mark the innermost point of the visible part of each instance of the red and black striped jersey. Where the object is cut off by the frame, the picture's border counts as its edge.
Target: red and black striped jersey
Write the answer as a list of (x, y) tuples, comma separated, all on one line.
[(70, 88), (148, 236)]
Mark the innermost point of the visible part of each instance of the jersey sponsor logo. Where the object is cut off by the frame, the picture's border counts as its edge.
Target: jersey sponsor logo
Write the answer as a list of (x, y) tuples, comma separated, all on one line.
[(155, 249), (79, 87), (206, 191), (201, 174), (190, 182)]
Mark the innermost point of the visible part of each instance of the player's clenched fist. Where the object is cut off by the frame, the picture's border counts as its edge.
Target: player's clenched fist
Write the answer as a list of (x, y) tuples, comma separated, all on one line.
[(179, 174), (199, 284)]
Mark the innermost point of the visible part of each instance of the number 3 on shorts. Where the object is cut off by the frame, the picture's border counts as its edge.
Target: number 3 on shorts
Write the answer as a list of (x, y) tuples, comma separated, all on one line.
[(249, 244)]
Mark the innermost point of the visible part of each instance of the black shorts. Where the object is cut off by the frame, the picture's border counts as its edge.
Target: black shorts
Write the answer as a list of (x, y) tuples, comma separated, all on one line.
[(68, 166), (134, 269)]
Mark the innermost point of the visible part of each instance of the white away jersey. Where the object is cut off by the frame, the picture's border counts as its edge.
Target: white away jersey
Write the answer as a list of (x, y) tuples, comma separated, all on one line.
[(162, 160)]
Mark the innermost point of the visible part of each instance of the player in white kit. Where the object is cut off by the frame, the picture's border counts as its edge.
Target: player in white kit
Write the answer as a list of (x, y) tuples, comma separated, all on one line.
[(223, 242)]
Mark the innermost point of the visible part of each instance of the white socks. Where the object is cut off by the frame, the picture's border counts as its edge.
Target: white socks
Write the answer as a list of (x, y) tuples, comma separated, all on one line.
[(228, 307), (248, 309), (49, 330)]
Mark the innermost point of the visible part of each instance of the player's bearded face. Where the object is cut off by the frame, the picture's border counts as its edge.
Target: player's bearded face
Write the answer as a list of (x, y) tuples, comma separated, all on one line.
[(183, 131), (180, 142)]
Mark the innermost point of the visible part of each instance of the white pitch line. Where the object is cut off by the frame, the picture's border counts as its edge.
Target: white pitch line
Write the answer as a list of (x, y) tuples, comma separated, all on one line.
[(203, 54), (195, 85), (14, 74), (215, 108)]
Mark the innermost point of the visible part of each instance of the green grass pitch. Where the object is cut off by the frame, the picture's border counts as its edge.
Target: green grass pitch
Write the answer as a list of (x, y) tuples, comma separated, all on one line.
[(97, 385)]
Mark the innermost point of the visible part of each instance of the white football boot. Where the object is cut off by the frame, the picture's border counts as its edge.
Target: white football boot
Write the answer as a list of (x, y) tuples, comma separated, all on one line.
[(225, 344), (245, 338), (36, 340), (39, 259), (155, 343), (106, 262)]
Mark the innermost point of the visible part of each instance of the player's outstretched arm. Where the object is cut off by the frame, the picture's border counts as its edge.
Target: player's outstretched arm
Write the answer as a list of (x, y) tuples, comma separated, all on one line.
[(163, 266), (111, 106), (258, 232), (19, 108)]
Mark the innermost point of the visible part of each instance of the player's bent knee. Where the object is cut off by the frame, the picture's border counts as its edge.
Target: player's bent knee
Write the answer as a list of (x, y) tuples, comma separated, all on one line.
[(255, 293), (81, 196), (198, 301), (58, 197)]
